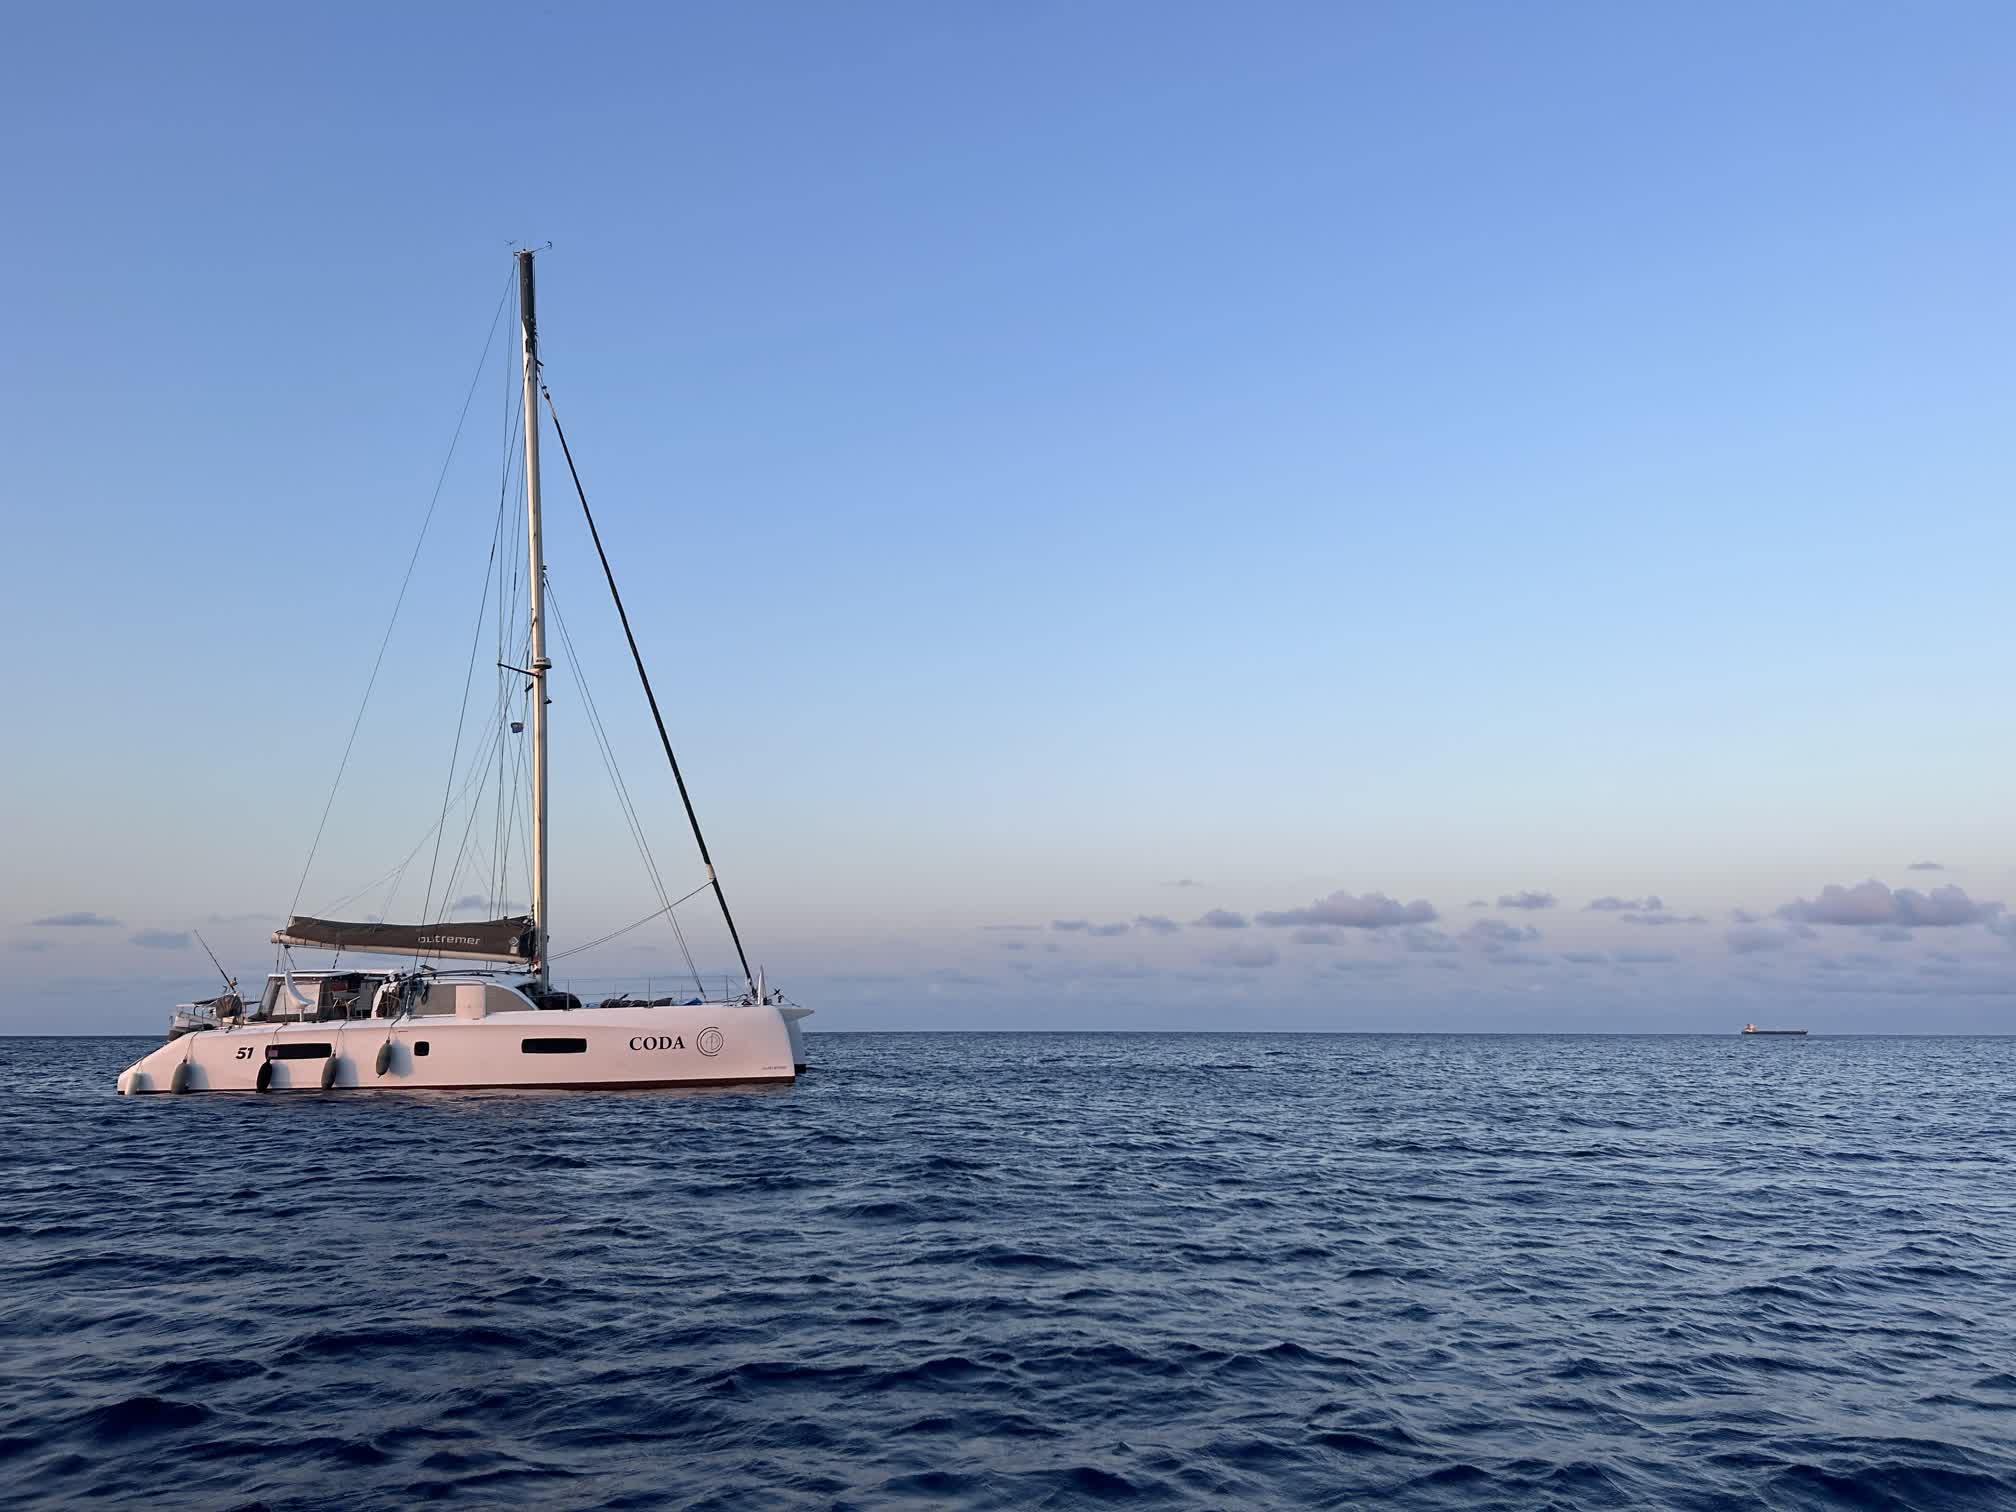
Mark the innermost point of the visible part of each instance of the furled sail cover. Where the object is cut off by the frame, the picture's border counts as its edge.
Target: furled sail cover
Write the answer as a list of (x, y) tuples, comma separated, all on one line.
[(488, 940)]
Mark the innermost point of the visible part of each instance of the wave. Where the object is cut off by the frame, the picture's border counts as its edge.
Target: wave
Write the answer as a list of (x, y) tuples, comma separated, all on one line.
[(1189, 1272)]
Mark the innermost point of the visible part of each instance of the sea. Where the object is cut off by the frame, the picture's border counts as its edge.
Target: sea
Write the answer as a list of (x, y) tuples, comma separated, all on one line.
[(1428, 1272)]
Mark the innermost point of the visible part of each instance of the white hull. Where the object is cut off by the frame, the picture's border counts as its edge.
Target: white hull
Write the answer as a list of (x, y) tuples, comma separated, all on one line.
[(692, 1045), (793, 1025)]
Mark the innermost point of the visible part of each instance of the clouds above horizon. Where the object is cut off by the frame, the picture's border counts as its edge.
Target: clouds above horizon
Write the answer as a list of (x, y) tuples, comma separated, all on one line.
[(1327, 923), (1882, 913), (1874, 903), (81, 919), (1220, 918), (1343, 910), (1341, 934), (1496, 935)]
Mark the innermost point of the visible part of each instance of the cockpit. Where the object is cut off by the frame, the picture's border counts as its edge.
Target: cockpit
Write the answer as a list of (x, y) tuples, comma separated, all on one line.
[(320, 996)]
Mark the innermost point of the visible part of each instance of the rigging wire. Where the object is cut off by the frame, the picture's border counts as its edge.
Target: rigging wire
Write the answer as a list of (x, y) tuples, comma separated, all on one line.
[(468, 682), (518, 824), (398, 602), (637, 656), (461, 852), (477, 770), (455, 757), (329, 909), (623, 799), (509, 456), (619, 933), (475, 775)]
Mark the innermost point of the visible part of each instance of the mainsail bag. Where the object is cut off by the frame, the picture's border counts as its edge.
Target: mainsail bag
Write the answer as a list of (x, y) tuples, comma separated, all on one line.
[(490, 940)]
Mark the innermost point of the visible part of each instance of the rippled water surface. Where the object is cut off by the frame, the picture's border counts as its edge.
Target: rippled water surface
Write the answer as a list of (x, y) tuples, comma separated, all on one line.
[(1033, 1270)]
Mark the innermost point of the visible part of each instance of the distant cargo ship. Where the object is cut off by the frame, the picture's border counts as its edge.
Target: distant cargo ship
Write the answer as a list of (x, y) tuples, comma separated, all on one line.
[(1753, 1029)]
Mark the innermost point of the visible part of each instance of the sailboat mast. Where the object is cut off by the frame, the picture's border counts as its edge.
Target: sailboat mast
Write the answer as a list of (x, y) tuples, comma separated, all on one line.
[(536, 602)]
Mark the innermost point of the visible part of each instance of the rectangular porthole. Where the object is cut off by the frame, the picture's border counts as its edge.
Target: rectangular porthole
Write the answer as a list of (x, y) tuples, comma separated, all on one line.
[(554, 1046), (419, 1047), (295, 1050)]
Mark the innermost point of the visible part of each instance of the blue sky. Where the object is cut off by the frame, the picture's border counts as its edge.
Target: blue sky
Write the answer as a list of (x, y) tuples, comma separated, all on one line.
[(1053, 452)]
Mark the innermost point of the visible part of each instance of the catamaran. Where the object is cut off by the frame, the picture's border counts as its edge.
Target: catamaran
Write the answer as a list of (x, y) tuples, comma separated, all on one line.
[(421, 1025)]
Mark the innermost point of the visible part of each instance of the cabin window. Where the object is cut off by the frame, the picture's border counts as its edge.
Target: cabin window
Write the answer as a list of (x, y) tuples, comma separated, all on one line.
[(554, 1046), (419, 1047), (298, 1050)]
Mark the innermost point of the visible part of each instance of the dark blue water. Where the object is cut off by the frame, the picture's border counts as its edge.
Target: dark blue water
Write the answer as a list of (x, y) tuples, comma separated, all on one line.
[(1033, 1270)]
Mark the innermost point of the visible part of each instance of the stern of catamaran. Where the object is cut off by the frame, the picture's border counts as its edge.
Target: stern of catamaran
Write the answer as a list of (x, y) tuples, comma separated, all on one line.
[(794, 1026)]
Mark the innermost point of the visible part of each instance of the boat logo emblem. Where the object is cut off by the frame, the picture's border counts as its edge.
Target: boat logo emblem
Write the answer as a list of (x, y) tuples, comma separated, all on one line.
[(709, 1042)]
